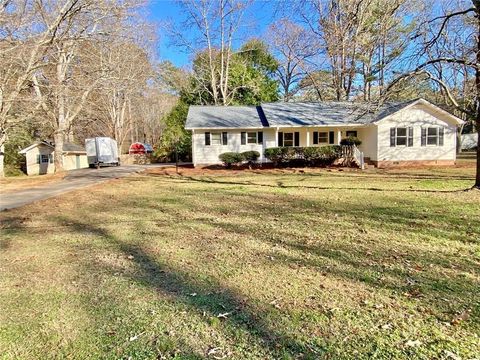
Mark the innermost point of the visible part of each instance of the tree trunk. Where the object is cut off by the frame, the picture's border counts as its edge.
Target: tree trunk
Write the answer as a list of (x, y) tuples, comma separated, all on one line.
[(58, 157), (477, 178), (477, 100), (2, 155)]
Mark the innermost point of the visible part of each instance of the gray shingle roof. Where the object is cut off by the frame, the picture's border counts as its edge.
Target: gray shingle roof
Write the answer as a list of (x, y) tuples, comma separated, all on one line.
[(306, 114), (72, 147), (224, 117), (290, 114)]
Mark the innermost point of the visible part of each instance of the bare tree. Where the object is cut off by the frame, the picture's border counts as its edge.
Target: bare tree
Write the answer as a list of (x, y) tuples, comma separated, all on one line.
[(216, 22), (457, 31), (295, 48), (75, 64), (338, 24), (149, 115), (129, 69), (384, 40), (25, 38)]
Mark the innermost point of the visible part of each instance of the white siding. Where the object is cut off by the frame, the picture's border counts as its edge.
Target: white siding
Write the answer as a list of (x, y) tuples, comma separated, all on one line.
[(416, 117), (70, 161), (33, 167), (368, 136), (208, 154)]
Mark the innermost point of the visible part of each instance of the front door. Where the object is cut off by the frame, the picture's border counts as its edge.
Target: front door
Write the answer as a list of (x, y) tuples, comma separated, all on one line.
[(77, 161)]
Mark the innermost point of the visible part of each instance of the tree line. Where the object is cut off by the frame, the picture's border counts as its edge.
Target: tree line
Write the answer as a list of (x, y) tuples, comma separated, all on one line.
[(71, 69)]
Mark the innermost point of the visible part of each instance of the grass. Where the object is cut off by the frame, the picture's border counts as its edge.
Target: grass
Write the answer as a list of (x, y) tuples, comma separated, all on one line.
[(246, 265)]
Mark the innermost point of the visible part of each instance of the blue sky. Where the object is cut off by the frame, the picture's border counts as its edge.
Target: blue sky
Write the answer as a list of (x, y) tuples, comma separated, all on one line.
[(161, 11)]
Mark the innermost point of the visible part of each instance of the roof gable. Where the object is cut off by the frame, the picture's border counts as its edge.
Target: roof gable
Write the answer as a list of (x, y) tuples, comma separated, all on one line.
[(445, 115), (34, 145)]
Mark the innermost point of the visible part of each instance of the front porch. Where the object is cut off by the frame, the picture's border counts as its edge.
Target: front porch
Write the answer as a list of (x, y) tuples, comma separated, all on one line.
[(322, 136)]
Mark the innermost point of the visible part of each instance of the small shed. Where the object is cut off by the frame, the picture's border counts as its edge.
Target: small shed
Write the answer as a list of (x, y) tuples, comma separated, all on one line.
[(74, 156), (40, 157)]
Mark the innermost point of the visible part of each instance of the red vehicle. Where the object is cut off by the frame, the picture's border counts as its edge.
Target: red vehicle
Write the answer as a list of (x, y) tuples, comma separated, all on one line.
[(140, 148)]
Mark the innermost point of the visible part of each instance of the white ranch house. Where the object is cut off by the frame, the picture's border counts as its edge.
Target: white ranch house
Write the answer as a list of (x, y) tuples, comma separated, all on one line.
[(415, 132)]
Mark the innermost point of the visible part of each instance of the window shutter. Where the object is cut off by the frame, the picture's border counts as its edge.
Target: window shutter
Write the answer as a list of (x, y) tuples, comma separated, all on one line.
[(243, 139), (207, 138), (410, 136), (392, 137), (441, 132), (224, 138), (280, 139), (424, 137), (331, 137), (38, 159), (260, 137), (297, 138), (315, 137)]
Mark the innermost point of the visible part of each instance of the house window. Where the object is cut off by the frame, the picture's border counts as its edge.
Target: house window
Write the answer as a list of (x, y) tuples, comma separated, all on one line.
[(401, 136), (432, 136), (253, 137), (320, 137), (216, 138), (323, 137), (44, 159), (50, 157), (352, 133), (287, 139)]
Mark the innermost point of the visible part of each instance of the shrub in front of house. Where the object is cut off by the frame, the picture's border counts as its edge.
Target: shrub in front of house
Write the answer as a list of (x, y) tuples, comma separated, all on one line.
[(231, 158), (251, 156), (351, 140), (321, 156), (278, 155), (300, 156)]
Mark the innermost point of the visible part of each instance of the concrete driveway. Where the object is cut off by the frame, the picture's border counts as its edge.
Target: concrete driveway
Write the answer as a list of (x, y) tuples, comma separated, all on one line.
[(75, 179)]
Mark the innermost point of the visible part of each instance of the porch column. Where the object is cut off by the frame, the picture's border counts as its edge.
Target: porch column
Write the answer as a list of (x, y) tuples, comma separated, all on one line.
[(276, 137), (308, 137), (193, 147), (339, 136)]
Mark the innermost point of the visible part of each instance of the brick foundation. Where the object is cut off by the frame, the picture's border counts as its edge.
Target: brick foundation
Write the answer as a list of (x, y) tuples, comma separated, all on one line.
[(413, 163)]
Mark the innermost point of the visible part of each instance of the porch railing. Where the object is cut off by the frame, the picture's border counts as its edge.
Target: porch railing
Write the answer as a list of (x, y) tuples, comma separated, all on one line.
[(352, 156)]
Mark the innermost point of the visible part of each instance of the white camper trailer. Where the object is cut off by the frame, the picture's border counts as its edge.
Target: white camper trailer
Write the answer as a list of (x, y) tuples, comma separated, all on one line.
[(102, 151)]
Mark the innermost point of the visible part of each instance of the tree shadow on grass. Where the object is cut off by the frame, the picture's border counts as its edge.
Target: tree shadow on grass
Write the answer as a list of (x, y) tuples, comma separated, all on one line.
[(281, 184), (211, 297), (9, 226), (392, 267)]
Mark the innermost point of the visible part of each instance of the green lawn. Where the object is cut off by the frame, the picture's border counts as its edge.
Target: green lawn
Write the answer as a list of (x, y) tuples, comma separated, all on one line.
[(247, 265)]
